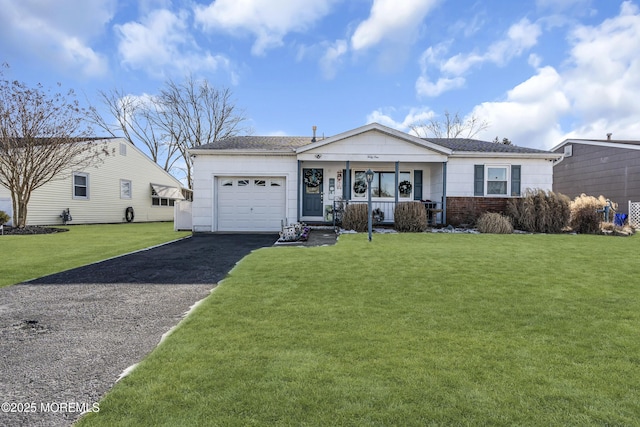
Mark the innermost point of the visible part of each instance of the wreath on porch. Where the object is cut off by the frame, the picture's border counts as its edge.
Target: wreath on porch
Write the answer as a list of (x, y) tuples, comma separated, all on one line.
[(405, 188), (312, 177), (359, 187)]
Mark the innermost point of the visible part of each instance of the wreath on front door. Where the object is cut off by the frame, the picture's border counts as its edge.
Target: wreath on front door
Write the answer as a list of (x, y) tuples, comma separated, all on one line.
[(312, 177)]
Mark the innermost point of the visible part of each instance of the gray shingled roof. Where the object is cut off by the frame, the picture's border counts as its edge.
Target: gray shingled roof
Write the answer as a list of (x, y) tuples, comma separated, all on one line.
[(269, 143), (477, 146), (290, 143)]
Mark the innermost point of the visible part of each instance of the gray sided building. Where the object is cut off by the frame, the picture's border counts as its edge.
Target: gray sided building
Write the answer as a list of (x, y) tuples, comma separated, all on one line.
[(595, 167)]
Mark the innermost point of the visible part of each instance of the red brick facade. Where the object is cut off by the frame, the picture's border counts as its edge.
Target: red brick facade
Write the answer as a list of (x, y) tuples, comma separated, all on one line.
[(466, 210)]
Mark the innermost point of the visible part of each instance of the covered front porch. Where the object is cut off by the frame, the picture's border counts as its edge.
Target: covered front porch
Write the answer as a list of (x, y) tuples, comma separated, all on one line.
[(326, 188)]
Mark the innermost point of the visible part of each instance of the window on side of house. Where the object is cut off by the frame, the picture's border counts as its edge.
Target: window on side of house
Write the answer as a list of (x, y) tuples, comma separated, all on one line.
[(161, 201), (125, 189), (497, 180), (80, 185)]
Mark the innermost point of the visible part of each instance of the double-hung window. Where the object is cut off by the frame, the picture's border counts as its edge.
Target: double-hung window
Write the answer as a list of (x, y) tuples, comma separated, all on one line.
[(496, 181), (80, 185), (125, 189)]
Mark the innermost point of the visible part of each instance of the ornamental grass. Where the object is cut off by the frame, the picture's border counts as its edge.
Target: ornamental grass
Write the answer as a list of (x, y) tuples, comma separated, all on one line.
[(585, 218), (410, 217), (355, 217), (540, 211), (494, 223)]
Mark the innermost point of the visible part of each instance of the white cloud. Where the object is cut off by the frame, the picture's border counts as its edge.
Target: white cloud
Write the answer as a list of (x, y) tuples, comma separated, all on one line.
[(161, 44), (53, 32), (596, 90), (390, 19), (424, 87), (413, 116), (268, 20), (332, 58), (529, 115), (520, 37)]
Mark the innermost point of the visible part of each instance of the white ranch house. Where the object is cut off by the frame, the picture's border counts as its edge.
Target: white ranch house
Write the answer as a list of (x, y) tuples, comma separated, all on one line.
[(258, 183), (127, 178)]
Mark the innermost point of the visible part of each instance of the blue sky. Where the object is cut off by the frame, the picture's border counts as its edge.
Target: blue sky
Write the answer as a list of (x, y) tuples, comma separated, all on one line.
[(537, 71)]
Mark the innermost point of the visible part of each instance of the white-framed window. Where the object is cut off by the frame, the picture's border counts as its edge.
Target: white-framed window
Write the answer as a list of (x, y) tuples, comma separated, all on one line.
[(125, 189), (162, 201), (80, 185), (123, 149), (383, 184), (497, 180)]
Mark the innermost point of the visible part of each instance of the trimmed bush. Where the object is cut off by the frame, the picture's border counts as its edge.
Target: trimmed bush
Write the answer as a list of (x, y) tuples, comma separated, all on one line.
[(4, 217), (410, 217), (584, 216), (494, 223), (355, 217), (539, 211)]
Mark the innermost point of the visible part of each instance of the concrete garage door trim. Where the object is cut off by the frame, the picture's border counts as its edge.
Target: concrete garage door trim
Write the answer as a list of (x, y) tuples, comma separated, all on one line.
[(250, 203)]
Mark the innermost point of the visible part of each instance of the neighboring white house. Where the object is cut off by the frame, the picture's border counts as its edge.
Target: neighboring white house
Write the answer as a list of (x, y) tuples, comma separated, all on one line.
[(256, 183), (126, 178)]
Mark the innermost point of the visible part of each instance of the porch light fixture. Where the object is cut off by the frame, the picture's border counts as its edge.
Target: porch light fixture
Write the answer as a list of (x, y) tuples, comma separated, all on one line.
[(369, 176)]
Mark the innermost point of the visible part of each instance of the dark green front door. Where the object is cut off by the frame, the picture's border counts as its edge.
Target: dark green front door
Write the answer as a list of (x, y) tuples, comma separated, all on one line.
[(312, 180)]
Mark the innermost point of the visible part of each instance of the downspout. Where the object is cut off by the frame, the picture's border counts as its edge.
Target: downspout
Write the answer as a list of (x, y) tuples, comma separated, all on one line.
[(397, 181), (444, 193), (299, 186)]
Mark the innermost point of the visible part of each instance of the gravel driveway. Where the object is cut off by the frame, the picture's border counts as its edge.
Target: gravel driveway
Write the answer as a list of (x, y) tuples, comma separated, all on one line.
[(66, 338)]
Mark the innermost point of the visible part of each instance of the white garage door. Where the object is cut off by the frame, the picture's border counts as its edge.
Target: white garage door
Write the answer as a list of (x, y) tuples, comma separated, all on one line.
[(250, 203)]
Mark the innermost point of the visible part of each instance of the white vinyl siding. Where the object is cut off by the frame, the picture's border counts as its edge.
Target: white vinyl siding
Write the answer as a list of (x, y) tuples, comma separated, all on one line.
[(104, 204)]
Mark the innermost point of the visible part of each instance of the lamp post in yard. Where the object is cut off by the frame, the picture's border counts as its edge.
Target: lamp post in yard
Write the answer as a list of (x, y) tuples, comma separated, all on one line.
[(369, 176)]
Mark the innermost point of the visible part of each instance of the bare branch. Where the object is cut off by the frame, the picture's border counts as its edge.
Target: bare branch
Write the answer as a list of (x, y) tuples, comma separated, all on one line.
[(451, 126)]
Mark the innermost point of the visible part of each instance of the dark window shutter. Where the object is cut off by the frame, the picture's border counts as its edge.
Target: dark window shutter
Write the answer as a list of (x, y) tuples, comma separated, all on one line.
[(417, 185), (515, 180), (478, 188), (345, 183)]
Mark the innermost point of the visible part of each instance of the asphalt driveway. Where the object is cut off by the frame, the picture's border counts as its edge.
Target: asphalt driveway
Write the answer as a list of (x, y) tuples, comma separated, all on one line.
[(66, 338)]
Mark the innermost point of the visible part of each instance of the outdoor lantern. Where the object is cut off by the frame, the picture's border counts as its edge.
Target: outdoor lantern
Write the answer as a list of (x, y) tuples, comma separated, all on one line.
[(369, 175)]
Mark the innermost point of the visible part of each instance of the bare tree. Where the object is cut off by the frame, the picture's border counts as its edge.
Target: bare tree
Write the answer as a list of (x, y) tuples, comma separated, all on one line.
[(451, 126), (195, 113), (136, 119), (182, 116), (42, 138)]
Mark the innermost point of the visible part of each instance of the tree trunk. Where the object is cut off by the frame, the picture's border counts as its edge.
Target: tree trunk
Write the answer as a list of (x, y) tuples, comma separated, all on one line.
[(19, 210)]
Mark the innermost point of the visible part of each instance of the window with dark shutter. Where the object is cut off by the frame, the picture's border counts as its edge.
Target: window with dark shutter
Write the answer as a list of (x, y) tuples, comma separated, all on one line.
[(417, 188), (515, 180), (478, 188)]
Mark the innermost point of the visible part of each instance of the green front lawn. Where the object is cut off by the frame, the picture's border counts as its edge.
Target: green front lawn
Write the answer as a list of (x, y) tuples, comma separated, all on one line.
[(31, 256), (410, 329)]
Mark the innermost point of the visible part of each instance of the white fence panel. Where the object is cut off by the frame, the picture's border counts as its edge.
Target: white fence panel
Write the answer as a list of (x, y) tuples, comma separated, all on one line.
[(634, 214), (182, 218)]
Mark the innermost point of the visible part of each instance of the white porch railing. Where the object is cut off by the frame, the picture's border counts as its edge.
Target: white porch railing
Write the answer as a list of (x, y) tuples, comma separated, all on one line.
[(383, 211)]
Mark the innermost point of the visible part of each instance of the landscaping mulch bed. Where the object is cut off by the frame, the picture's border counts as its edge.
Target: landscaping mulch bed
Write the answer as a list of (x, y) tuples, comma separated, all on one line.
[(32, 229)]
